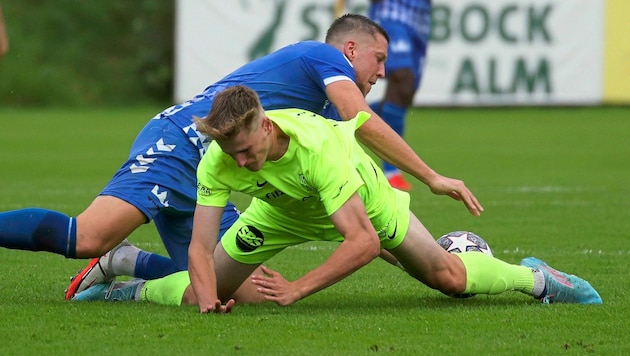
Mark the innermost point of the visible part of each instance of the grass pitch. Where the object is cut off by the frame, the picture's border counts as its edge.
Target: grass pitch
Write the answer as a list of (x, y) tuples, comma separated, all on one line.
[(553, 181)]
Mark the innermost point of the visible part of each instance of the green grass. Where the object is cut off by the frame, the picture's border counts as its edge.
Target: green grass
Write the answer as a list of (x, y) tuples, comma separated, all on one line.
[(553, 181)]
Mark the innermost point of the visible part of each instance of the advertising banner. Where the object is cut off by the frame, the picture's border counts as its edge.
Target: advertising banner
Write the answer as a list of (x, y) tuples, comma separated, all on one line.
[(499, 52)]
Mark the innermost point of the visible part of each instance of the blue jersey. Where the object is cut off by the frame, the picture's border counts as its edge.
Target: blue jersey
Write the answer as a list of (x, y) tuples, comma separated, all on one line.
[(295, 76), (412, 13), (408, 23), (159, 176)]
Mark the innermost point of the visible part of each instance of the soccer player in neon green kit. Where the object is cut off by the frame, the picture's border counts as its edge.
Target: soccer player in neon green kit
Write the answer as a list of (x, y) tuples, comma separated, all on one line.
[(310, 180)]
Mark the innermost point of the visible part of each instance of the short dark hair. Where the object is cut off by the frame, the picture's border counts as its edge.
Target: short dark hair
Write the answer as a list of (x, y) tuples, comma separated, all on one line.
[(232, 109), (354, 23)]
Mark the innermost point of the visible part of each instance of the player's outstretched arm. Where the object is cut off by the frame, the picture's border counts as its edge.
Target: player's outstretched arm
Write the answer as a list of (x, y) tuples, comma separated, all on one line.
[(201, 260), (389, 146), (360, 246)]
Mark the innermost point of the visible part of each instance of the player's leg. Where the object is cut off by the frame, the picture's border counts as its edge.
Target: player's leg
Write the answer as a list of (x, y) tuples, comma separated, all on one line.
[(452, 274), (427, 262), (105, 223), (478, 273), (172, 290), (259, 234), (175, 289), (233, 278), (175, 229), (424, 259), (158, 179)]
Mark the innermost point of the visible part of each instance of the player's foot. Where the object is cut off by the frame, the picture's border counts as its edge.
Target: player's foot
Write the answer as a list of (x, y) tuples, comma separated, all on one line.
[(98, 270), (561, 287), (112, 291), (399, 182)]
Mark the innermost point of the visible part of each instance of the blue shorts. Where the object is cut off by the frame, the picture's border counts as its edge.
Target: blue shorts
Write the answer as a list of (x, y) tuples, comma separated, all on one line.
[(407, 49), (159, 178)]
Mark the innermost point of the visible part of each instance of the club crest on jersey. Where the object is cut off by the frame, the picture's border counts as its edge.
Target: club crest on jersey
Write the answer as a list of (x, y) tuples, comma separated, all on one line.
[(304, 183)]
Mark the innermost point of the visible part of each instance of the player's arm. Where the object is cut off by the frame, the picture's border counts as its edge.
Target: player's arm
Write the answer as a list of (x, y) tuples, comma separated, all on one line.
[(204, 239), (360, 246), (4, 39), (389, 146)]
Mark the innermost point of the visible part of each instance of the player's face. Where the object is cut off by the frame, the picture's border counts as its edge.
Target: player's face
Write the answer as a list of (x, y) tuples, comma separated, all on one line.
[(250, 147), (369, 62)]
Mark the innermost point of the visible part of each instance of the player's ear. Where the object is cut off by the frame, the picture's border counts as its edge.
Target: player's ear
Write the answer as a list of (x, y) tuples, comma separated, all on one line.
[(350, 49), (266, 124)]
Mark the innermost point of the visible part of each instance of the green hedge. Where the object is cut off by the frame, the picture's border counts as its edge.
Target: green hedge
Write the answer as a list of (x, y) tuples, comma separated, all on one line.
[(76, 53)]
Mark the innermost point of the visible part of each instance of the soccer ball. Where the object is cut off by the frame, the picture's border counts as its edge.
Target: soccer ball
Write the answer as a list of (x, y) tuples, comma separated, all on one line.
[(464, 241)]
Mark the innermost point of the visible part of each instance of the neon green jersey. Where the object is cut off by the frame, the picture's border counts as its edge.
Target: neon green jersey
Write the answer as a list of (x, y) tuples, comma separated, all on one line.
[(323, 166)]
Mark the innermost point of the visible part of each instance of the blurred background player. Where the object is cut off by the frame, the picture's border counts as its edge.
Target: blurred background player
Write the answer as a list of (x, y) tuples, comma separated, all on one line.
[(408, 24)]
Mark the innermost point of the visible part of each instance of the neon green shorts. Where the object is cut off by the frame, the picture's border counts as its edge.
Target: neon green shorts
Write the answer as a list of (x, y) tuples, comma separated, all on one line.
[(263, 230)]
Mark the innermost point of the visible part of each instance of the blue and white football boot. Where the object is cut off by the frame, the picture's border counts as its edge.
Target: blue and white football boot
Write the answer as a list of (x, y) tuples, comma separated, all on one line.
[(561, 287)]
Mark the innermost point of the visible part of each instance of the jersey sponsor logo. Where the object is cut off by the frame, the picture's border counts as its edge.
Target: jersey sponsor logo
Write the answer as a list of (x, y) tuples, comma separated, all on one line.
[(304, 183), (203, 190), (261, 184), (274, 194), (249, 238)]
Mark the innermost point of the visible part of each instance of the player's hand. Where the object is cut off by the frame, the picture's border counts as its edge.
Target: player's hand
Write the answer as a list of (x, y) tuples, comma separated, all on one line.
[(457, 190), (217, 307), (275, 288)]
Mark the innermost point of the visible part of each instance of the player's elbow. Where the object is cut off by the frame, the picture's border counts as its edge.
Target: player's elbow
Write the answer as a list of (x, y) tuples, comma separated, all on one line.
[(371, 249)]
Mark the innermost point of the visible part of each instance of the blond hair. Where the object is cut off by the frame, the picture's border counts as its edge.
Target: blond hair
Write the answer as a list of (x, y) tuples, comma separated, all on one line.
[(233, 109)]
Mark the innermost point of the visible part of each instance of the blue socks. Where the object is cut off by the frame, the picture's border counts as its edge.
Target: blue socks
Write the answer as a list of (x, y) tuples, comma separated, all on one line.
[(153, 266), (394, 116), (38, 230), (35, 229)]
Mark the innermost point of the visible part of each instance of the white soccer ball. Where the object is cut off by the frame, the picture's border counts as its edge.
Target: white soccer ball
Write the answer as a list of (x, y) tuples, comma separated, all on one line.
[(464, 241)]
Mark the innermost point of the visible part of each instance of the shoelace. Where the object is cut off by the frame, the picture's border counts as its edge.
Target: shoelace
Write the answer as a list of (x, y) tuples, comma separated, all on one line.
[(110, 289)]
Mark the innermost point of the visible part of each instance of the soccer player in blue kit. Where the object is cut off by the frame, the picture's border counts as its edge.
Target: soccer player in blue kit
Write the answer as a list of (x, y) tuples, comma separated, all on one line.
[(158, 183), (408, 24)]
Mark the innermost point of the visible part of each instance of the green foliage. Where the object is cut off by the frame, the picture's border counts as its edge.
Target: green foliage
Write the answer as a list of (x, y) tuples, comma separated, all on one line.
[(75, 53), (553, 182)]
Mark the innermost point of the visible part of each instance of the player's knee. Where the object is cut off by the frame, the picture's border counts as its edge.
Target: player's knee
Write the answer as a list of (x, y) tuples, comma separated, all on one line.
[(89, 244), (90, 250), (189, 297), (451, 285), (449, 278)]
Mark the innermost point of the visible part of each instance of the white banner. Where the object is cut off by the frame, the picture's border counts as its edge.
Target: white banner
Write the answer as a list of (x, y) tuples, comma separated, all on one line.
[(499, 52)]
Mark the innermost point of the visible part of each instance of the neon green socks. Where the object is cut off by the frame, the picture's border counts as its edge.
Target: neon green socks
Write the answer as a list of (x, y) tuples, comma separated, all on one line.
[(489, 275), (168, 290)]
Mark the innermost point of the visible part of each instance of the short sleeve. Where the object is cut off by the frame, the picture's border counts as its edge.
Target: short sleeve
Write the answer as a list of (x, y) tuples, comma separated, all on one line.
[(210, 191)]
